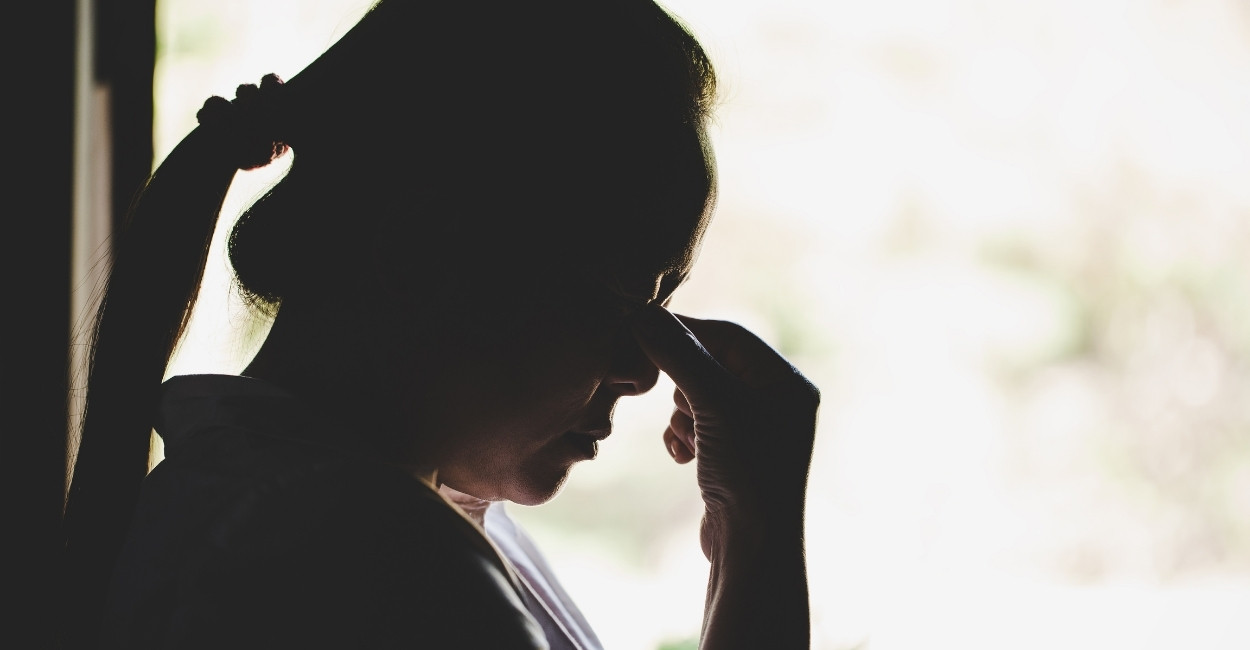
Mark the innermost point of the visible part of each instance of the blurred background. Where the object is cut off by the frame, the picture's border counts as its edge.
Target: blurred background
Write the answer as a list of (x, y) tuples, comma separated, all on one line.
[(1010, 241)]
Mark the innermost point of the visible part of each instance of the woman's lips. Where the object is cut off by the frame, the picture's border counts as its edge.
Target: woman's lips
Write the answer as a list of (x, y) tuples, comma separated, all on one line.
[(597, 434), (586, 444)]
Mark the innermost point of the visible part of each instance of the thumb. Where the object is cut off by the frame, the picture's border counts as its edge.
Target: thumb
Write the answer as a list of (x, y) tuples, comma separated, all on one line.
[(676, 351)]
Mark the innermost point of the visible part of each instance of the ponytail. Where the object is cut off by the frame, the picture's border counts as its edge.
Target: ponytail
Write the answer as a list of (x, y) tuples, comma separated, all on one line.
[(158, 263)]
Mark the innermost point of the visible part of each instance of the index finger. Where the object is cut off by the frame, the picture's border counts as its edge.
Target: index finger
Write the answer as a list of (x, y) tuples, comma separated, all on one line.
[(742, 353), (679, 353)]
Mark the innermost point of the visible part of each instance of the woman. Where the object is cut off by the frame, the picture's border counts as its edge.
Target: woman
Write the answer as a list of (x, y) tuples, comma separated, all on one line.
[(489, 205)]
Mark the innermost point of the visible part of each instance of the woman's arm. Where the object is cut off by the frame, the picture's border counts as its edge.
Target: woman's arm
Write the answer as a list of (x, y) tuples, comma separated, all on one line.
[(748, 419)]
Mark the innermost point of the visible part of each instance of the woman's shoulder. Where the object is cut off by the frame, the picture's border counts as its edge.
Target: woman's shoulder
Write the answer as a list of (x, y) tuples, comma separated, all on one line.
[(245, 539), (399, 563), (254, 469), (340, 555)]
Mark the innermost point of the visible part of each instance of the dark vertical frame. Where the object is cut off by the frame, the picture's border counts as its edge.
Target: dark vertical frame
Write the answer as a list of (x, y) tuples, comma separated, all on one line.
[(37, 227), (125, 62), (38, 216)]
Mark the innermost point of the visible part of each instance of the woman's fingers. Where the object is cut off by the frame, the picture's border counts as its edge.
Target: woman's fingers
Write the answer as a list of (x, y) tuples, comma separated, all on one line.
[(740, 351), (683, 425), (676, 448), (748, 411), (680, 403), (705, 358), (676, 351)]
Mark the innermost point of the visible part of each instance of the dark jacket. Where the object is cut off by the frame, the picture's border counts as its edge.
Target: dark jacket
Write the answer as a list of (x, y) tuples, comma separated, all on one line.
[(262, 528)]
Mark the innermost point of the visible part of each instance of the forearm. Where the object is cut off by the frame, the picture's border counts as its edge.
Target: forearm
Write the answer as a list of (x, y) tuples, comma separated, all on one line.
[(757, 588)]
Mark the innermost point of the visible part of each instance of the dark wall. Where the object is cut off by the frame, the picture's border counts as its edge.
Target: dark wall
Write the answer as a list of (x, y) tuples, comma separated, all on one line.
[(36, 212), (125, 58), (37, 209)]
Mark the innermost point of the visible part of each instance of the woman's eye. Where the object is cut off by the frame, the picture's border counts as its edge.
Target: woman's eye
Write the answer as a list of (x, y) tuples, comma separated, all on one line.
[(607, 307), (596, 302), (598, 310)]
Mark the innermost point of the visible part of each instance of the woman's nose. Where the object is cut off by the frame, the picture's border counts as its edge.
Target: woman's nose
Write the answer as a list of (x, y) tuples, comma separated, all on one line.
[(631, 372)]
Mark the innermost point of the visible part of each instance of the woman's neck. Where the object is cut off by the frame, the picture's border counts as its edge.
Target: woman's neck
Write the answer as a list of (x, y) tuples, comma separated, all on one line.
[(307, 354), (472, 506)]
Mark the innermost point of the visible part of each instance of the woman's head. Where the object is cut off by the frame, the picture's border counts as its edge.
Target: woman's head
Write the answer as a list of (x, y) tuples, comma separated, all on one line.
[(480, 182), (448, 140)]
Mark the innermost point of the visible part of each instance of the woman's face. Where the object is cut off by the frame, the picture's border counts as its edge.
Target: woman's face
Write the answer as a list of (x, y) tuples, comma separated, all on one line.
[(512, 415)]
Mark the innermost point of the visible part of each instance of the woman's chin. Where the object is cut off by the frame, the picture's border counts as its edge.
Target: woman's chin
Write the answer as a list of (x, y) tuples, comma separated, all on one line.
[(532, 486), (539, 480), (538, 488)]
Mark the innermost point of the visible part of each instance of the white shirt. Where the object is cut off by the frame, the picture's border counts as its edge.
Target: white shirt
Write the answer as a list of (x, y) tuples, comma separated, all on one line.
[(562, 622)]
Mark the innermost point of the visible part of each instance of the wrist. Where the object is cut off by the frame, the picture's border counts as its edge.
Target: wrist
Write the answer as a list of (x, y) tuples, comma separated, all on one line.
[(740, 533)]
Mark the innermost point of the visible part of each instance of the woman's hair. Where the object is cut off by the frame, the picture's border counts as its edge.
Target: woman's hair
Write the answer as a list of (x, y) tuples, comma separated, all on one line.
[(431, 138)]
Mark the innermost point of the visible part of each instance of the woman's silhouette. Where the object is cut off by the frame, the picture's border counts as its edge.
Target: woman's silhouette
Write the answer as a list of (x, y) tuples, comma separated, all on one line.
[(467, 262)]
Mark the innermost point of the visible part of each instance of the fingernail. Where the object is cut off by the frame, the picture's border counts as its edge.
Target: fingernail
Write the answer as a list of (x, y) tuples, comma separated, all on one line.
[(672, 447)]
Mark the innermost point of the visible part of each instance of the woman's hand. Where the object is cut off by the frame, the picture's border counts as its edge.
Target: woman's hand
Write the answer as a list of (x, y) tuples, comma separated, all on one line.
[(743, 413)]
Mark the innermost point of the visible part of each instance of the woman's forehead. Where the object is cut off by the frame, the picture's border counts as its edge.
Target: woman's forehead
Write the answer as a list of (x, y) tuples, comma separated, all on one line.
[(661, 255)]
